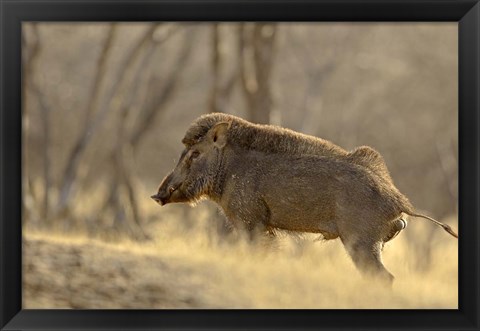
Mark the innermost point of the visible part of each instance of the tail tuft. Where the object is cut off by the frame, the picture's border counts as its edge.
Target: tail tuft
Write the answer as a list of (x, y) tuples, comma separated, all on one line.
[(444, 226), (449, 230)]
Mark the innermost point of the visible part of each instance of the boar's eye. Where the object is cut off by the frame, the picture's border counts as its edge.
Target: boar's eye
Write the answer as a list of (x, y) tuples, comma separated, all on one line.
[(194, 154)]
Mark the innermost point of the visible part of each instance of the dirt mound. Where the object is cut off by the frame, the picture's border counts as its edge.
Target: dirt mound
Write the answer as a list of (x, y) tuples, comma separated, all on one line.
[(89, 274)]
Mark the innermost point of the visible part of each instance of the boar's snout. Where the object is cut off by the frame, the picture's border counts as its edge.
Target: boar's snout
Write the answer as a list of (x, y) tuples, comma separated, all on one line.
[(167, 192), (161, 200), (164, 194)]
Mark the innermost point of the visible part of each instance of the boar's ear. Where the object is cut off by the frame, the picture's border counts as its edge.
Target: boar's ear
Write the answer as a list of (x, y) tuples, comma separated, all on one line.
[(218, 134)]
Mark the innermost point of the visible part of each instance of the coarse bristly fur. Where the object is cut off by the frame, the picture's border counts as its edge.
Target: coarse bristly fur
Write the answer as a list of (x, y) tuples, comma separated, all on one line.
[(266, 178), (275, 139)]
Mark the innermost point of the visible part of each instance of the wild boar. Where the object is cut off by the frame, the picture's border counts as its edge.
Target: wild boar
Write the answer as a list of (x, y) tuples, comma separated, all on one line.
[(266, 177)]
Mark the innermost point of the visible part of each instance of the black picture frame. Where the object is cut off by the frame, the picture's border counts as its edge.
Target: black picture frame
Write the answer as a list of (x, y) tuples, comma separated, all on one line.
[(14, 12)]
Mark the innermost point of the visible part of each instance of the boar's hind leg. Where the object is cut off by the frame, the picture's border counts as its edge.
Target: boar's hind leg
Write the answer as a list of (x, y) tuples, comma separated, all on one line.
[(366, 255)]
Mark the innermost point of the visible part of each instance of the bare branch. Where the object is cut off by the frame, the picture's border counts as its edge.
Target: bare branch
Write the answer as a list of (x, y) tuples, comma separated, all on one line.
[(93, 122), (442, 153), (242, 46), (156, 104), (85, 134), (264, 37), (123, 180), (127, 63), (216, 58), (124, 72), (30, 56), (221, 91), (256, 69), (29, 81), (125, 161)]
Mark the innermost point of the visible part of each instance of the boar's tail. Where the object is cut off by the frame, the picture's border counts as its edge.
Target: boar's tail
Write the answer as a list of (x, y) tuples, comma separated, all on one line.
[(444, 226)]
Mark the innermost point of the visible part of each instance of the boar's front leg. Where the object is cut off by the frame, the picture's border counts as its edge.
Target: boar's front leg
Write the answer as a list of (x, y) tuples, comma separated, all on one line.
[(251, 216)]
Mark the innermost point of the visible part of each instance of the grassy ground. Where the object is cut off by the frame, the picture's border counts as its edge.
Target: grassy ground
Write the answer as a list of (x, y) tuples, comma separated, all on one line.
[(193, 269)]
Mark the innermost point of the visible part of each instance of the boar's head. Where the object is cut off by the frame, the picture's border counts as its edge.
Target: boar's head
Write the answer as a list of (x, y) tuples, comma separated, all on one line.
[(194, 176)]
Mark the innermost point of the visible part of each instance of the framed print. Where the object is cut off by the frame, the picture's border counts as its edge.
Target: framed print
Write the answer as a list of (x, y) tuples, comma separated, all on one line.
[(239, 164)]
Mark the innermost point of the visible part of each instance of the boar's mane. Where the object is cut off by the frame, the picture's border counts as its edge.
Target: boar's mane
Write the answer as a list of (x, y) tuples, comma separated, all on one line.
[(265, 138), (274, 139)]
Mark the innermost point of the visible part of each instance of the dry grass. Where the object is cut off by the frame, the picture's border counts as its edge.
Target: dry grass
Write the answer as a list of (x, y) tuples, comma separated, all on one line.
[(191, 268)]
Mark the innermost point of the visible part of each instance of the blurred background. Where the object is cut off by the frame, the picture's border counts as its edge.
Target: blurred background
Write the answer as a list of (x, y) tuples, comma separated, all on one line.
[(105, 106)]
